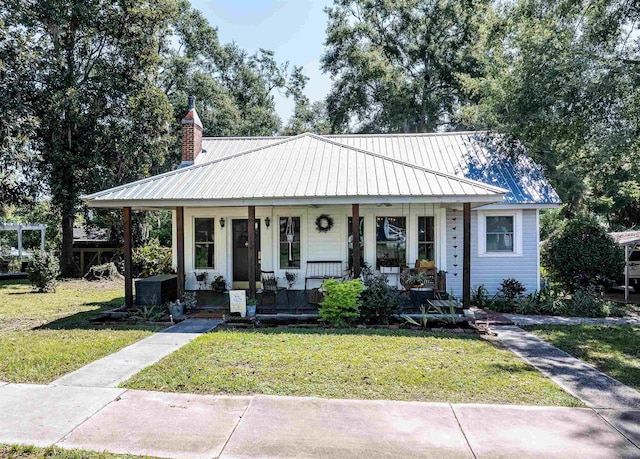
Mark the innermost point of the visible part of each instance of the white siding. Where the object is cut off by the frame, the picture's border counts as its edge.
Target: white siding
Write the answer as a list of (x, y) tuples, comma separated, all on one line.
[(490, 271)]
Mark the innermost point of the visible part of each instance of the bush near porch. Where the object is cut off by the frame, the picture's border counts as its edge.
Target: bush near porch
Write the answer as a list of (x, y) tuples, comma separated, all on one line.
[(355, 364), (45, 335)]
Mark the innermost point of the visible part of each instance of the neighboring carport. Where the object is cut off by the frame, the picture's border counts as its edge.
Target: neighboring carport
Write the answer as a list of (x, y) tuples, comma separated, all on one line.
[(630, 240)]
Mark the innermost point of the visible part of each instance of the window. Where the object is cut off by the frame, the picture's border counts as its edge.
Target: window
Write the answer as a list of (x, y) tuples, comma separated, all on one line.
[(350, 241), (426, 238), (204, 243), (499, 233), (391, 241), (290, 248)]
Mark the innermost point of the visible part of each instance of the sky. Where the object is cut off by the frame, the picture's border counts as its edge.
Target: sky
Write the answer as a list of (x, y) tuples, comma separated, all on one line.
[(293, 29)]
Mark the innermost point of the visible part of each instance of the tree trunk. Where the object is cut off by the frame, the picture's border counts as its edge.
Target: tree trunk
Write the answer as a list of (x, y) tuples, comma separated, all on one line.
[(66, 255)]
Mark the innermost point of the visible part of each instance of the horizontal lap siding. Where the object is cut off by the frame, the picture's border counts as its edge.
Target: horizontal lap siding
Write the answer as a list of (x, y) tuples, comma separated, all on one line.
[(490, 271)]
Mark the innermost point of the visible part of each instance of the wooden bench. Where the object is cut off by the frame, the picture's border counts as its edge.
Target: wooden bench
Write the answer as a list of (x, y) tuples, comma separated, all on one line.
[(322, 270)]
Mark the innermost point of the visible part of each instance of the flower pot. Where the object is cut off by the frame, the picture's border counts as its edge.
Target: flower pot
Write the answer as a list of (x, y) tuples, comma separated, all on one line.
[(176, 309), (390, 269), (420, 295), (251, 310)]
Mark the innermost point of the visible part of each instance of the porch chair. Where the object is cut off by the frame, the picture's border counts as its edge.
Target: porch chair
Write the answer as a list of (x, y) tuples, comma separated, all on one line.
[(270, 286)]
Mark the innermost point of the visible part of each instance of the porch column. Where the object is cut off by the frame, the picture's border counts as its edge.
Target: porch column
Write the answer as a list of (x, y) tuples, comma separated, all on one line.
[(128, 280), (466, 256), (180, 250), (252, 251), (20, 241), (626, 273), (355, 230), (42, 236)]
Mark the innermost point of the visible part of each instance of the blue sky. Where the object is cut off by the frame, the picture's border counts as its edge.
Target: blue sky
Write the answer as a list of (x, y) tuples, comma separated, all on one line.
[(293, 29)]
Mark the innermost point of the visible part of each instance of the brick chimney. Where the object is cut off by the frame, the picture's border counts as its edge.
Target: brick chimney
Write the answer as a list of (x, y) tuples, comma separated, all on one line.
[(191, 134)]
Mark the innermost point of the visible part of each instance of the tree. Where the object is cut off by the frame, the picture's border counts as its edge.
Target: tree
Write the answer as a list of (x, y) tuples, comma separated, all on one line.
[(395, 63), (91, 86), (580, 253), (562, 77)]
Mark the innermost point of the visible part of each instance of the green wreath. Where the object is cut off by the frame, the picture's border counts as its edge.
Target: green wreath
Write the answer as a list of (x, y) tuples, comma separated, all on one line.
[(324, 223)]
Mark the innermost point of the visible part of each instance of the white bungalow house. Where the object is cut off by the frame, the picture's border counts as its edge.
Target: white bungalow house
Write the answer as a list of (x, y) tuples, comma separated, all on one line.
[(447, 197)]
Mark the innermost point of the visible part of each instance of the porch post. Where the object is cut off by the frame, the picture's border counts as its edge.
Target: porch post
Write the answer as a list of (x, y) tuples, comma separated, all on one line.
[(626, 273), (252, 251), (466, 256), (128, 281), (355, 231), (180, 250), (20, 241)]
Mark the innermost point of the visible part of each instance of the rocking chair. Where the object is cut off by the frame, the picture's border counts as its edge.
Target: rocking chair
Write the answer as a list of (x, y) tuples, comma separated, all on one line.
[(270, 286)]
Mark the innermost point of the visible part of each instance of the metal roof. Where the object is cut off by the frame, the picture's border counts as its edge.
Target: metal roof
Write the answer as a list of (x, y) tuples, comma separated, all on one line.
[(463, 154), (302, 169), (630, 238)]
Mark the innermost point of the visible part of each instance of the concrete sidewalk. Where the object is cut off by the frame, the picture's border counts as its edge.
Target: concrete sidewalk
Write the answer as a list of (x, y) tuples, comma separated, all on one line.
[(201, 426), (116, 368)]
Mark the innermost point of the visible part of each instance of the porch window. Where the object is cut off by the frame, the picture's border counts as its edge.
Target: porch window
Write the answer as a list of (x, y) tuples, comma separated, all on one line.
[(391, 241), (426, 238), (204, 243), (350, 241), (290, 247), (499, 234)]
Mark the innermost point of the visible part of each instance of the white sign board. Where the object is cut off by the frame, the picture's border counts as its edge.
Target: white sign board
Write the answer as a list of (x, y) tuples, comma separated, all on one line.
[(238, 302)]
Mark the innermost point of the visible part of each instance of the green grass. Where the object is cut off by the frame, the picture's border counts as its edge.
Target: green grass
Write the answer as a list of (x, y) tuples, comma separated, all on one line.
[(45, 335), (357, 364), (73, 304), (41, 356), (614, 350), (30, 452)]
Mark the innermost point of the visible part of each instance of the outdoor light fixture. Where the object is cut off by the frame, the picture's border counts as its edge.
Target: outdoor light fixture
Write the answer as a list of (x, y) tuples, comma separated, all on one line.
[(267, 221), (221, 222)]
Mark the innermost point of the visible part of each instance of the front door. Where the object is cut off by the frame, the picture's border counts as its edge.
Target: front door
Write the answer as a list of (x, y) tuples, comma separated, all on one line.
[(240, 229)]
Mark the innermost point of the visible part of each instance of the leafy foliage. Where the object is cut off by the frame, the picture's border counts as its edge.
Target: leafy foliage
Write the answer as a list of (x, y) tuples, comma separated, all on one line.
[(341, 302), (379, 300), (43, 271), (395, 64), (511, 288), (561, 77), (581, 253), (150, 260)]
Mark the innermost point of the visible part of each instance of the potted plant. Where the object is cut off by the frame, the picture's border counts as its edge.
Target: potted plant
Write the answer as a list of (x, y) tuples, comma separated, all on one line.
[(389, 265), (176, 308), (291, 277), (252, 304), (419, 292), (219, 284)]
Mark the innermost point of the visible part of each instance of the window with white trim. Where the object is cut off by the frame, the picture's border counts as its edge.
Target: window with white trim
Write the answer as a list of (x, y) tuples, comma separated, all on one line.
[(290, 247), (204, 243), (499, 233)]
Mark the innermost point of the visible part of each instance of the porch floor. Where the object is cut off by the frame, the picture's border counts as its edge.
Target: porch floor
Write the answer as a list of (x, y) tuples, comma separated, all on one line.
[(217, 302)]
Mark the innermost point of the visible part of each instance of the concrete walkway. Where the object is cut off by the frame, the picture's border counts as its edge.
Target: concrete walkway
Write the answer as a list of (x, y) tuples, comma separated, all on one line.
[(614, 401), (201, 426), (520, 319), (116, 368)]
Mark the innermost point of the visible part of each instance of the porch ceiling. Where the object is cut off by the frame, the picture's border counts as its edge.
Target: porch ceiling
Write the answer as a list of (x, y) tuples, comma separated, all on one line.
[(300, 170)]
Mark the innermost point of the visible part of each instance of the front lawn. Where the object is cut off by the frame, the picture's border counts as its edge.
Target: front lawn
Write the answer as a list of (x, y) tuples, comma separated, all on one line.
[(30, 452), (355, 364), (45, 335), (72, 305), (614, 350)]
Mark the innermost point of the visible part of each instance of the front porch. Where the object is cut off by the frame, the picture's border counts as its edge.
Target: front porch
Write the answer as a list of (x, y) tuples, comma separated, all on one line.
[(217, 303)]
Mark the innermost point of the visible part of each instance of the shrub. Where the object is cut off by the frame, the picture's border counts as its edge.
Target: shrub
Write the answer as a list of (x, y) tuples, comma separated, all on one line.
[(43, 270), (151, 259), (581, 253), (584, 303), (511, 288), (379, 300), (480, 296), (341, 302)]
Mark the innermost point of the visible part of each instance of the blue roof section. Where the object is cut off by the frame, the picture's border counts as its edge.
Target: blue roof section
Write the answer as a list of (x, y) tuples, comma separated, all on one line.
[(512, 169)]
